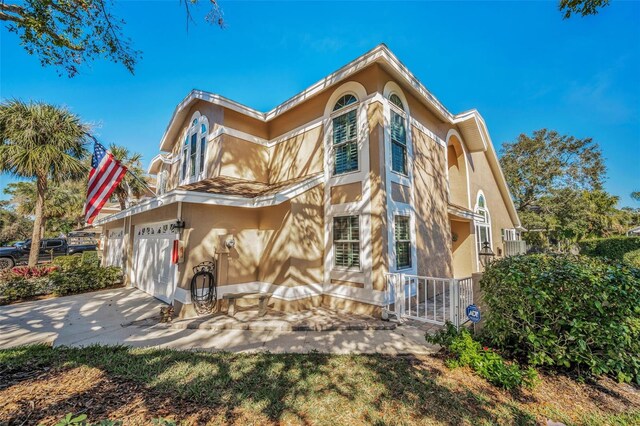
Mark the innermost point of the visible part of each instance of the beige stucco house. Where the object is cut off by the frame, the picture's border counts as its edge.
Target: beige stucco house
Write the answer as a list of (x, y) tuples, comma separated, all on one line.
[(361, 174)]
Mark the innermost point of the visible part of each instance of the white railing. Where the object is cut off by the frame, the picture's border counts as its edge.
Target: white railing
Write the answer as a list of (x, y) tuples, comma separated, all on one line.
[(428, 299), (515, 247)]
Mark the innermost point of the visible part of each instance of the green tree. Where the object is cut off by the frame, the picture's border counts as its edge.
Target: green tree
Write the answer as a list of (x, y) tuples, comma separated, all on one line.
[(132, 184), (67, 33), (556, 182), (535, 165), (635, 195), (63, 206), (41, 142), (581, 7), (13, 226)]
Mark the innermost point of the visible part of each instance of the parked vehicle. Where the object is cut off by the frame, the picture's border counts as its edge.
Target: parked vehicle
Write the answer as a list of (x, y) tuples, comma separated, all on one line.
[(49, 249)]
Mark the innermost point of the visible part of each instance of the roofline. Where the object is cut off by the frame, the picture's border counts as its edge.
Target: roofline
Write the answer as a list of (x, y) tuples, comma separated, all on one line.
[(380, 53)]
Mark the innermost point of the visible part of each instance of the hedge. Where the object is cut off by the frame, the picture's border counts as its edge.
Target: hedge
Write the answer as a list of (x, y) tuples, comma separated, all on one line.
[(574, 313), (632, 258), (68, 275), (613, 248)]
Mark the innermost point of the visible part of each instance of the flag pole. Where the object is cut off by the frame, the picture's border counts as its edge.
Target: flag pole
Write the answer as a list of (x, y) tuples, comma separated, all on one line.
[(145, 184)]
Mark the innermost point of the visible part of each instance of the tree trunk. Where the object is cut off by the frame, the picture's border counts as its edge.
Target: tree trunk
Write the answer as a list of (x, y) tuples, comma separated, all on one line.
[(122, 199), (43, 227), (41, 185)]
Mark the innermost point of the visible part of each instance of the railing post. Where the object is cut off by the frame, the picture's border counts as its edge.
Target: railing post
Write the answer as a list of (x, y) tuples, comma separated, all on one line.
[(400, 308), (454, 302)]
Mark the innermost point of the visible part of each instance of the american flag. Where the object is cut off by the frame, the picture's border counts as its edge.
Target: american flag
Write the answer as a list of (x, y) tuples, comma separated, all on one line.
[(105, 176)]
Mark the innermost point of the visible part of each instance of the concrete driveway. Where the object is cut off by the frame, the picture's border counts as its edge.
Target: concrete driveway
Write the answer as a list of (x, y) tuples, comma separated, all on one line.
[(105, 317), (73, 319)]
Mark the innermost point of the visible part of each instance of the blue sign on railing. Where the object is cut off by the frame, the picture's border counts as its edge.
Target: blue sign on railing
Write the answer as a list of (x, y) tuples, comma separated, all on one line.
[(473, 313)]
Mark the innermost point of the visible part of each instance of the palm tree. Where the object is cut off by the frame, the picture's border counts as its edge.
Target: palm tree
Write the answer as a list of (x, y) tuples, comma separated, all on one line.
[(132, 184), (42, 142)]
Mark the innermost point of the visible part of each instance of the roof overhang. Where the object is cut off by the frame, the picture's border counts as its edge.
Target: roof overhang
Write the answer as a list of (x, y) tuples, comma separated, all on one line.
[(473, 130), (195, 197), (462, 213), (157, 161)]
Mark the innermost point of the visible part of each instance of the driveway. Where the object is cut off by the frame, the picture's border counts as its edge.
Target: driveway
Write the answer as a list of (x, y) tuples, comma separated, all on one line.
[(72, 319), (105, 317)]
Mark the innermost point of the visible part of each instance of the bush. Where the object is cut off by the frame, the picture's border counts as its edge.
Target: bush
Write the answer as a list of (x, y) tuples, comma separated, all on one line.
[(488, 364), (613, 248), (15, 287), (33, 271), (83, 277), (575, 313), (67, 275), (632, 258)]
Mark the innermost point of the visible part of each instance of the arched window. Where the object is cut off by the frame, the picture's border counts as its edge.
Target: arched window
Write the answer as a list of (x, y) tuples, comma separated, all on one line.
[(194, 149), (345, 135), (398, 126), (483, 225)]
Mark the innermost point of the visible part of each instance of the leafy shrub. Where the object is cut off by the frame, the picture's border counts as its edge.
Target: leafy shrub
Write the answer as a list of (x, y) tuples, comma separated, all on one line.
[(613, 248), (68, 263), (91, 258), (15, 286), (33, 271), (78, 274), (488, 364), (575, 313), (632, 258), (68, 275)]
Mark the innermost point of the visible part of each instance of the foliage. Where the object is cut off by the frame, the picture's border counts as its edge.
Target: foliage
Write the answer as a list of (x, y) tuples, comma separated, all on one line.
[(17, 287), (612, 248), (635, 195), (13, 226), (84, 276), (68, 33), (67, 275), (42, 142), (556, 181), (63, 205), (632, 258), (467, 352), (582, 7), (132, 183), (574, 313), (33, 271)]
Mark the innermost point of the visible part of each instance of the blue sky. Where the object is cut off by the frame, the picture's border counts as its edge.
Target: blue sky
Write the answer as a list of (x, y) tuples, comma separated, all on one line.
[(519, 63)]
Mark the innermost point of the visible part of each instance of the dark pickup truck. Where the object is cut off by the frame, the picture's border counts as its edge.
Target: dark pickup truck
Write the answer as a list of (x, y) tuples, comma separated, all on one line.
[(49, 248)]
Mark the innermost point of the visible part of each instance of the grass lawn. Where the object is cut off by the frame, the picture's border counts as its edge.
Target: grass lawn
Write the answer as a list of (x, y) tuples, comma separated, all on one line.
[(39, 384)]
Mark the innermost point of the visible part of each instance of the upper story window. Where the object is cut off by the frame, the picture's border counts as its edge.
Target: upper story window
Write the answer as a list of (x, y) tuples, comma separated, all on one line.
[(398, 124), (345, 135), (194, 149), (483, 225)]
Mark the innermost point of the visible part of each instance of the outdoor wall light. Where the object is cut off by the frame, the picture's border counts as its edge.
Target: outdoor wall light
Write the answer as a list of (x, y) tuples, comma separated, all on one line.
[(179, 224), (230, 243), (486, 254)]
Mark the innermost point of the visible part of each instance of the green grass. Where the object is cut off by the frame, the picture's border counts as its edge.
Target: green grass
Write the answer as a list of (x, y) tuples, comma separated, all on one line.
[(296, 388)]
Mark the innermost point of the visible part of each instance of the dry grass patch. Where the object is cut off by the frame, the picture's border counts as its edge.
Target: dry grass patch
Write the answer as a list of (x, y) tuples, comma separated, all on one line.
[(42, 384)]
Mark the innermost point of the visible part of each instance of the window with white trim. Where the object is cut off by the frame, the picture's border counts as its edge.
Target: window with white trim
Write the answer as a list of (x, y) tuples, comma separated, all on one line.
[(483, 225), (194, 150), (398, 129), (346, 242), (509, 234), (345, 135), (403, 241)]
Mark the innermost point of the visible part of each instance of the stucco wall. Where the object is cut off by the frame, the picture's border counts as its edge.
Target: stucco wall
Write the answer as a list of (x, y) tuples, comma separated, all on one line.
[(433, 234), (482, 178)]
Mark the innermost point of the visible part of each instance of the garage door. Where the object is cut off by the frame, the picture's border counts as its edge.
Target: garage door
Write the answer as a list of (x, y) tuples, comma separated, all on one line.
[(113, 253), (152, 268)]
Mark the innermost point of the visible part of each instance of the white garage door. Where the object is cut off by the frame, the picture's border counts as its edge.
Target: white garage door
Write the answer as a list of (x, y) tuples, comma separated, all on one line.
[(113, 253), (152, 268)]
